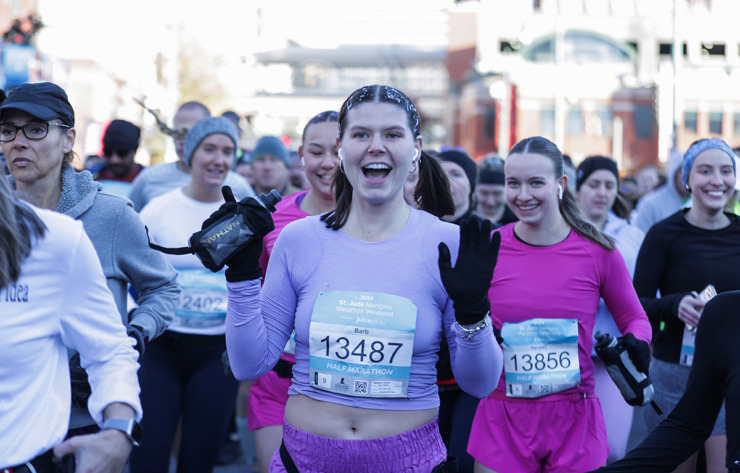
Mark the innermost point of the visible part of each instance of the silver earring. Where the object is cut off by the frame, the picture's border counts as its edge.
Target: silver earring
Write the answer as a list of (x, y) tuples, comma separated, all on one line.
[(415, 162), (341, 166), (414, 170)]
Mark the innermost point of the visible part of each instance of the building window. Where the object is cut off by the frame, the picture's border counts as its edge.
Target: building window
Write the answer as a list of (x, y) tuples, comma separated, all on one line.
[(666, 49), (547, 121), (689, 121), (579, 48), (715, 123), (490, 123), (644, 122), (575, 121), (600, 121), (712, 49), (737, 124)]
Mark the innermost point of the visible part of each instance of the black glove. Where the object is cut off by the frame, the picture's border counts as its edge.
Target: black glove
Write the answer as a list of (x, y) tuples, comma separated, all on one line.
[(469, 281), (243, 264), (639, 352), (137, 333), (228, 207)]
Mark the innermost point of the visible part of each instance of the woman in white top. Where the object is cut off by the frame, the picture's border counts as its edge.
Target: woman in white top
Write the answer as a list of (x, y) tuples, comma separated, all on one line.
[(53, 296), (182, 373), (597, 183)]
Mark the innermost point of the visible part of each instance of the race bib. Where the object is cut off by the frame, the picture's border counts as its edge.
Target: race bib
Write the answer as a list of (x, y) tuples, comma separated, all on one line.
[(540, 357), (203, 298), (689, 335), (687, 347), (361, 343)]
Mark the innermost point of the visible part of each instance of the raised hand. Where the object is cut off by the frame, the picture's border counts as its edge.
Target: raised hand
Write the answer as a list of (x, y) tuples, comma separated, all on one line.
[(469, 281)]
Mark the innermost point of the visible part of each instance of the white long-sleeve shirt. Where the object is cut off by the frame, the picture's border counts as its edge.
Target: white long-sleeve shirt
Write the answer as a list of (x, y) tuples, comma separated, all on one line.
[(60, 301)]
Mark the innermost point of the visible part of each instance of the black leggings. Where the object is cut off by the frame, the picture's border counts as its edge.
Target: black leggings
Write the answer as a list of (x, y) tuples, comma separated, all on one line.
[(182, 375)]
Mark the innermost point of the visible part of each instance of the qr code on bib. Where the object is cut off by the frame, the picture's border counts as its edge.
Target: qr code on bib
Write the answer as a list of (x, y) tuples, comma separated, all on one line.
[(360, 387)]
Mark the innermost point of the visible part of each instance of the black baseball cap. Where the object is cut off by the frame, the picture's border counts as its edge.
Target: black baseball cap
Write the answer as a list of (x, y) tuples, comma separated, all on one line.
[(43, 100)]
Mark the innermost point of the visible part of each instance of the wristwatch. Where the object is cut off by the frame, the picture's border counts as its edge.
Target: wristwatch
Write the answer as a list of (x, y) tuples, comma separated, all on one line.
[(130, 428)]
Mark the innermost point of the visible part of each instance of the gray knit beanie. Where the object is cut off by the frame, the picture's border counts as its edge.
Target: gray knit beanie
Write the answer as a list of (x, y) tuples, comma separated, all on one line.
[(207, 127), (270, 145)]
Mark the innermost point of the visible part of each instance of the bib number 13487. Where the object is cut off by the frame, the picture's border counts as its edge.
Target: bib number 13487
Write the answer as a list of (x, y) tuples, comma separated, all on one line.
[(375, 351)]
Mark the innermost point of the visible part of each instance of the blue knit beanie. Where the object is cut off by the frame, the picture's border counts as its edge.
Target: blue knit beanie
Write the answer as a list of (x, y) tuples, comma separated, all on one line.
[(270, 145), (699, 147), (207, 127)]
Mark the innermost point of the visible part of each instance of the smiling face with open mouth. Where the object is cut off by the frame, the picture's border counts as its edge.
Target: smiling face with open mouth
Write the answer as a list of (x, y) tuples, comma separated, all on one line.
[(532, 189), (378, 149)]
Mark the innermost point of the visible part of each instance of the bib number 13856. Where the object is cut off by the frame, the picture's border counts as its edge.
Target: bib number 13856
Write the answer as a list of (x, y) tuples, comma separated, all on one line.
[(541, 361), (540, 357)]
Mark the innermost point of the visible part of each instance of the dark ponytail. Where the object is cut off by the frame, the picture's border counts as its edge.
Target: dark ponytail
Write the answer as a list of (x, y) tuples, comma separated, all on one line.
[(573, 216), (343, 195), (432, 192), (18, 224)]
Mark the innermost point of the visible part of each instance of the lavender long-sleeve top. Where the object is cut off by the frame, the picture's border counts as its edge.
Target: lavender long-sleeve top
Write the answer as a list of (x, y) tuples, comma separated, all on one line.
[(308, 258)]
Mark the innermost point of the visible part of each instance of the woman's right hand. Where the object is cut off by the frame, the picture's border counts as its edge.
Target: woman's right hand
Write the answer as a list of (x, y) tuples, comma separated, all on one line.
[(689, 310)]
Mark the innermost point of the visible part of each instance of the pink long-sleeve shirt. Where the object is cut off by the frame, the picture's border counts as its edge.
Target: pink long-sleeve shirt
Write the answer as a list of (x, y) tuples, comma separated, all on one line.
[(564, 281)]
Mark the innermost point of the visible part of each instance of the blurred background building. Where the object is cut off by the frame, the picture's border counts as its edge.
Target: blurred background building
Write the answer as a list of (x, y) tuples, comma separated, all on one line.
[(626, 78)]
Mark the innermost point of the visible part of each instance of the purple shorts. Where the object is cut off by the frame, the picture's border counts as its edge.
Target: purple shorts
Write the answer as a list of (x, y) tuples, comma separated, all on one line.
[(267, 398), (556, 434), (415, 451)]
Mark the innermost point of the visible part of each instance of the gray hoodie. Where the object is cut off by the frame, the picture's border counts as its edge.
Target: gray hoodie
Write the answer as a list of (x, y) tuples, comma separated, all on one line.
[(663, 201), (119, 238)]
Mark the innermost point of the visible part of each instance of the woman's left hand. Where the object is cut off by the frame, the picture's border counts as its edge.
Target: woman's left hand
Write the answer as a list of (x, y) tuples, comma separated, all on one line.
[(639, 352), (469, 281)]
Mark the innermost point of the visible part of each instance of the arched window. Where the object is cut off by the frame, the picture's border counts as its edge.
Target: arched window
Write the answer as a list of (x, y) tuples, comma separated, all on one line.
[(580, 48)]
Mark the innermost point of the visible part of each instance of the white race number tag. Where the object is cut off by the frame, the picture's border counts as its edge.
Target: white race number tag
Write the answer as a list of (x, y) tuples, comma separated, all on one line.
[(540, 357), (361, 343), (203, 298)]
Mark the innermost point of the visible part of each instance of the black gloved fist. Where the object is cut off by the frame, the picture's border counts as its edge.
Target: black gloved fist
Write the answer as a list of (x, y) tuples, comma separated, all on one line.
[(243, 264), (469, 281), (228, 207), (639, 352), (137, 333)]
